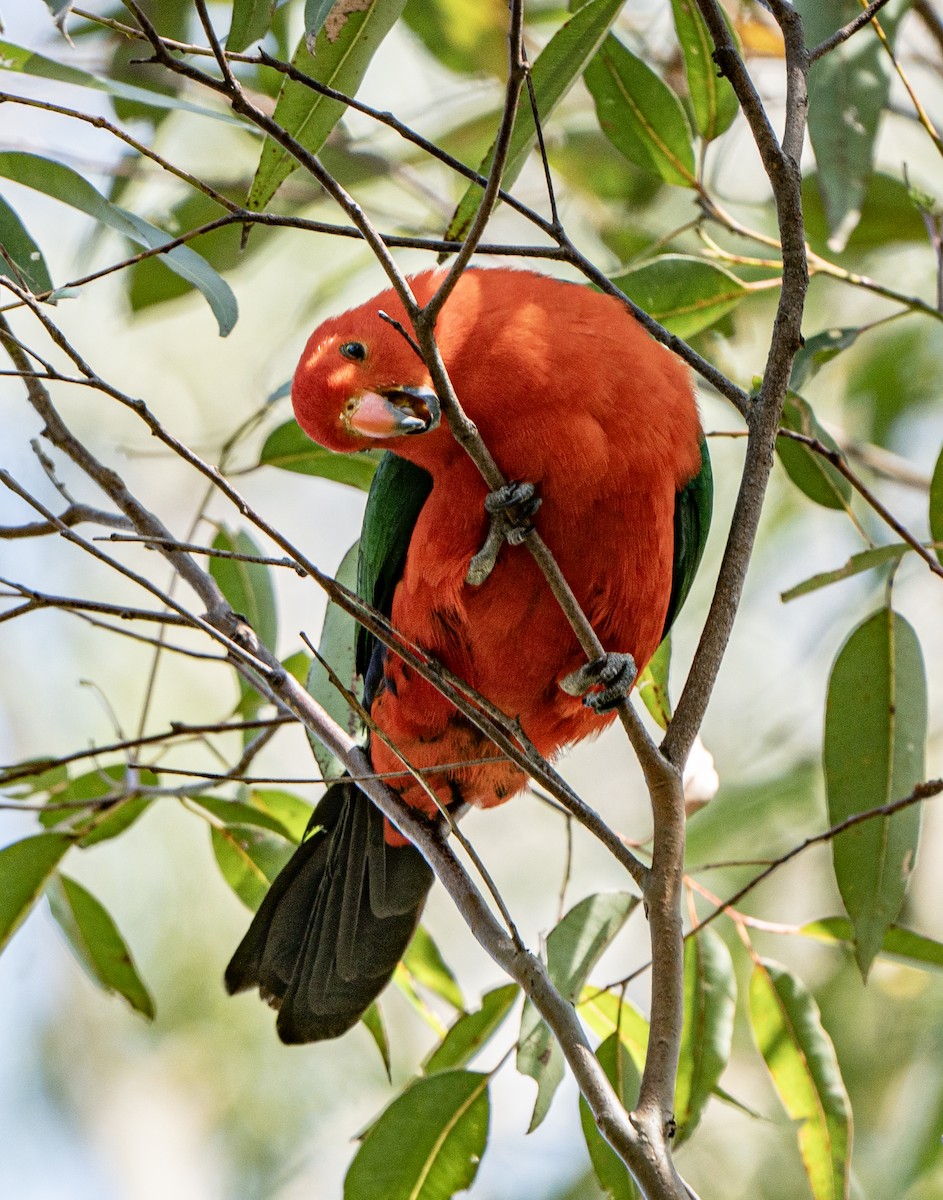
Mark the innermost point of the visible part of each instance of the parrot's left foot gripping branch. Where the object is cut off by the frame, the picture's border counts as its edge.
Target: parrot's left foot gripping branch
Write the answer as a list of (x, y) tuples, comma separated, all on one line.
[(510, 508), (614, 674)]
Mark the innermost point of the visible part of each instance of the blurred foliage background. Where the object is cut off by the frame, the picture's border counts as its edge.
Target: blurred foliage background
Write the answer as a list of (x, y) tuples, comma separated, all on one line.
[(203, 1101)]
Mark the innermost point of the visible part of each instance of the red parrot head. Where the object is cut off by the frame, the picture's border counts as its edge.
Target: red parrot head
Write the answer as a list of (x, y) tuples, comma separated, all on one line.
[(360, 384)]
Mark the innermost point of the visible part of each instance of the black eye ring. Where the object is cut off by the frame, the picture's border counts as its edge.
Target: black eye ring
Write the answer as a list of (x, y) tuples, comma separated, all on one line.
[(355, 351)]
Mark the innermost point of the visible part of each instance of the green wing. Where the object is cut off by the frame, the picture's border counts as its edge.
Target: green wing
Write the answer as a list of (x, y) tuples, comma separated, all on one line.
[(397, 494), (692, 521)]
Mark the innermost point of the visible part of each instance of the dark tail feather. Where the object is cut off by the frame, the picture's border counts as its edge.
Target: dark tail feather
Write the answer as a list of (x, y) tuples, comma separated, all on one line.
[(336, 921)]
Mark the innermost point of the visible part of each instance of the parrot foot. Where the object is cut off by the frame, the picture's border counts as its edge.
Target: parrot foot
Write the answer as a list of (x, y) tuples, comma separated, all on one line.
[(510, 509), (613, 674)]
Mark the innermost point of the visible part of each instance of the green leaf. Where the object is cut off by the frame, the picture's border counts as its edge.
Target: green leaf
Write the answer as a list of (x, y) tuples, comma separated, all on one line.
[(904, 944), (805, 1073), (574, 947), (246, 585), (99, 947), (710, 997), (62, 183), (249, 859), (652, 684), (467, 36), (106, 803), (338, 647), (685, 294), (427, 1144), (471, 1031), (341, 60), (428, 968), (250, 23), (25, 867), (848, 91), (20, 258), (864, 560), (289, 810), (373, 1020), (553, 73), (936, 506), (875, 733), (640, 114), (713, 99), (235, 812), (810, 472), (611, 1172), (818, 350), (27, 62), (888, 216), (607, 1013), (316, 12), (289, 448)]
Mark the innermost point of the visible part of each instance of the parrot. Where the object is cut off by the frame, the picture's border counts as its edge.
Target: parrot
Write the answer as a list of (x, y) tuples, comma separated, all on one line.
[(596, 428)]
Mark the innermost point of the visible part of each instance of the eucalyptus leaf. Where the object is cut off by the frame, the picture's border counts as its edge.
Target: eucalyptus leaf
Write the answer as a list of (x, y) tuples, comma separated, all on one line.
[(289, 448), (424, 961), (246, 585), (713, 99), (250, 22), (60, 182), (864, 560), (684, 294), (427, 1144), (97, 943), (640, 114), (809, 471), (875, 734), (611, 1172), (471, 1031), (936, 506), (906, 945), (652, 684), (805, 1072), (249, 858), (342, 56), (25, 868), (20, 258), (553, 73)]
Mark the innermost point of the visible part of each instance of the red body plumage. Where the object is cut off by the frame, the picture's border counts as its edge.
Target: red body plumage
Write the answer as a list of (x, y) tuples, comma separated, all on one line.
[(569, 393)]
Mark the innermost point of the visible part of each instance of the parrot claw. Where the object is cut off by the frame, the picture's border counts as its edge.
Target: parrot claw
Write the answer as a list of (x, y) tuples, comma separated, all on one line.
[(613, 674), (510, 509)]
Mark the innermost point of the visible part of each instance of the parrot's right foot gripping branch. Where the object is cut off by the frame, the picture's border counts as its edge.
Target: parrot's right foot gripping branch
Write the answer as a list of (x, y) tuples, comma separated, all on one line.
[(510, 508)]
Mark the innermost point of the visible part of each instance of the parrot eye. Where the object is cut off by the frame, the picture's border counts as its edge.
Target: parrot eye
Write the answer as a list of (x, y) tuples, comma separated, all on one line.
[(355, 351)]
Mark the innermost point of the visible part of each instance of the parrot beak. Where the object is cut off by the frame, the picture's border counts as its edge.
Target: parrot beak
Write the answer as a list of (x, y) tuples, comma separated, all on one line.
[(394, 412)]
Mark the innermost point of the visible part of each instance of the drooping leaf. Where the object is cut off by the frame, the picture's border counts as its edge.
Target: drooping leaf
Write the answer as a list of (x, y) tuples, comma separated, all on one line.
[(818, 350), (553, 73), (607, 1013), (713, 99), (20, 258), (246, 585), (640, 114), (376, 1027), (805, 1072), (936, 506), (907, 945), (338, 647), (865, 560), (25, 868), (710, 996), (472, 1030), (685, 294), (105, 800), (249, 859), (340, 61), (250, 23), (848, 91), (574, 946), (236, 812), (97, 943), (809, 471), (27, 62), (289, 810), (887, 217), (652, 684), (424, 961), (427, 1144), (63, 184), (875, 733), (611, 1172), (290, 449)]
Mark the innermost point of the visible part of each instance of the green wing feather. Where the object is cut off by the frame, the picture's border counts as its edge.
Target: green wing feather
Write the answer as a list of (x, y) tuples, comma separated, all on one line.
[(692, 521), (397, 494)]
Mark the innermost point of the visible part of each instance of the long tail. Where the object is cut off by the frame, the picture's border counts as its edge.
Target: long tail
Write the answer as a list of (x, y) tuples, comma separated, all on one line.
[(336, 921)]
